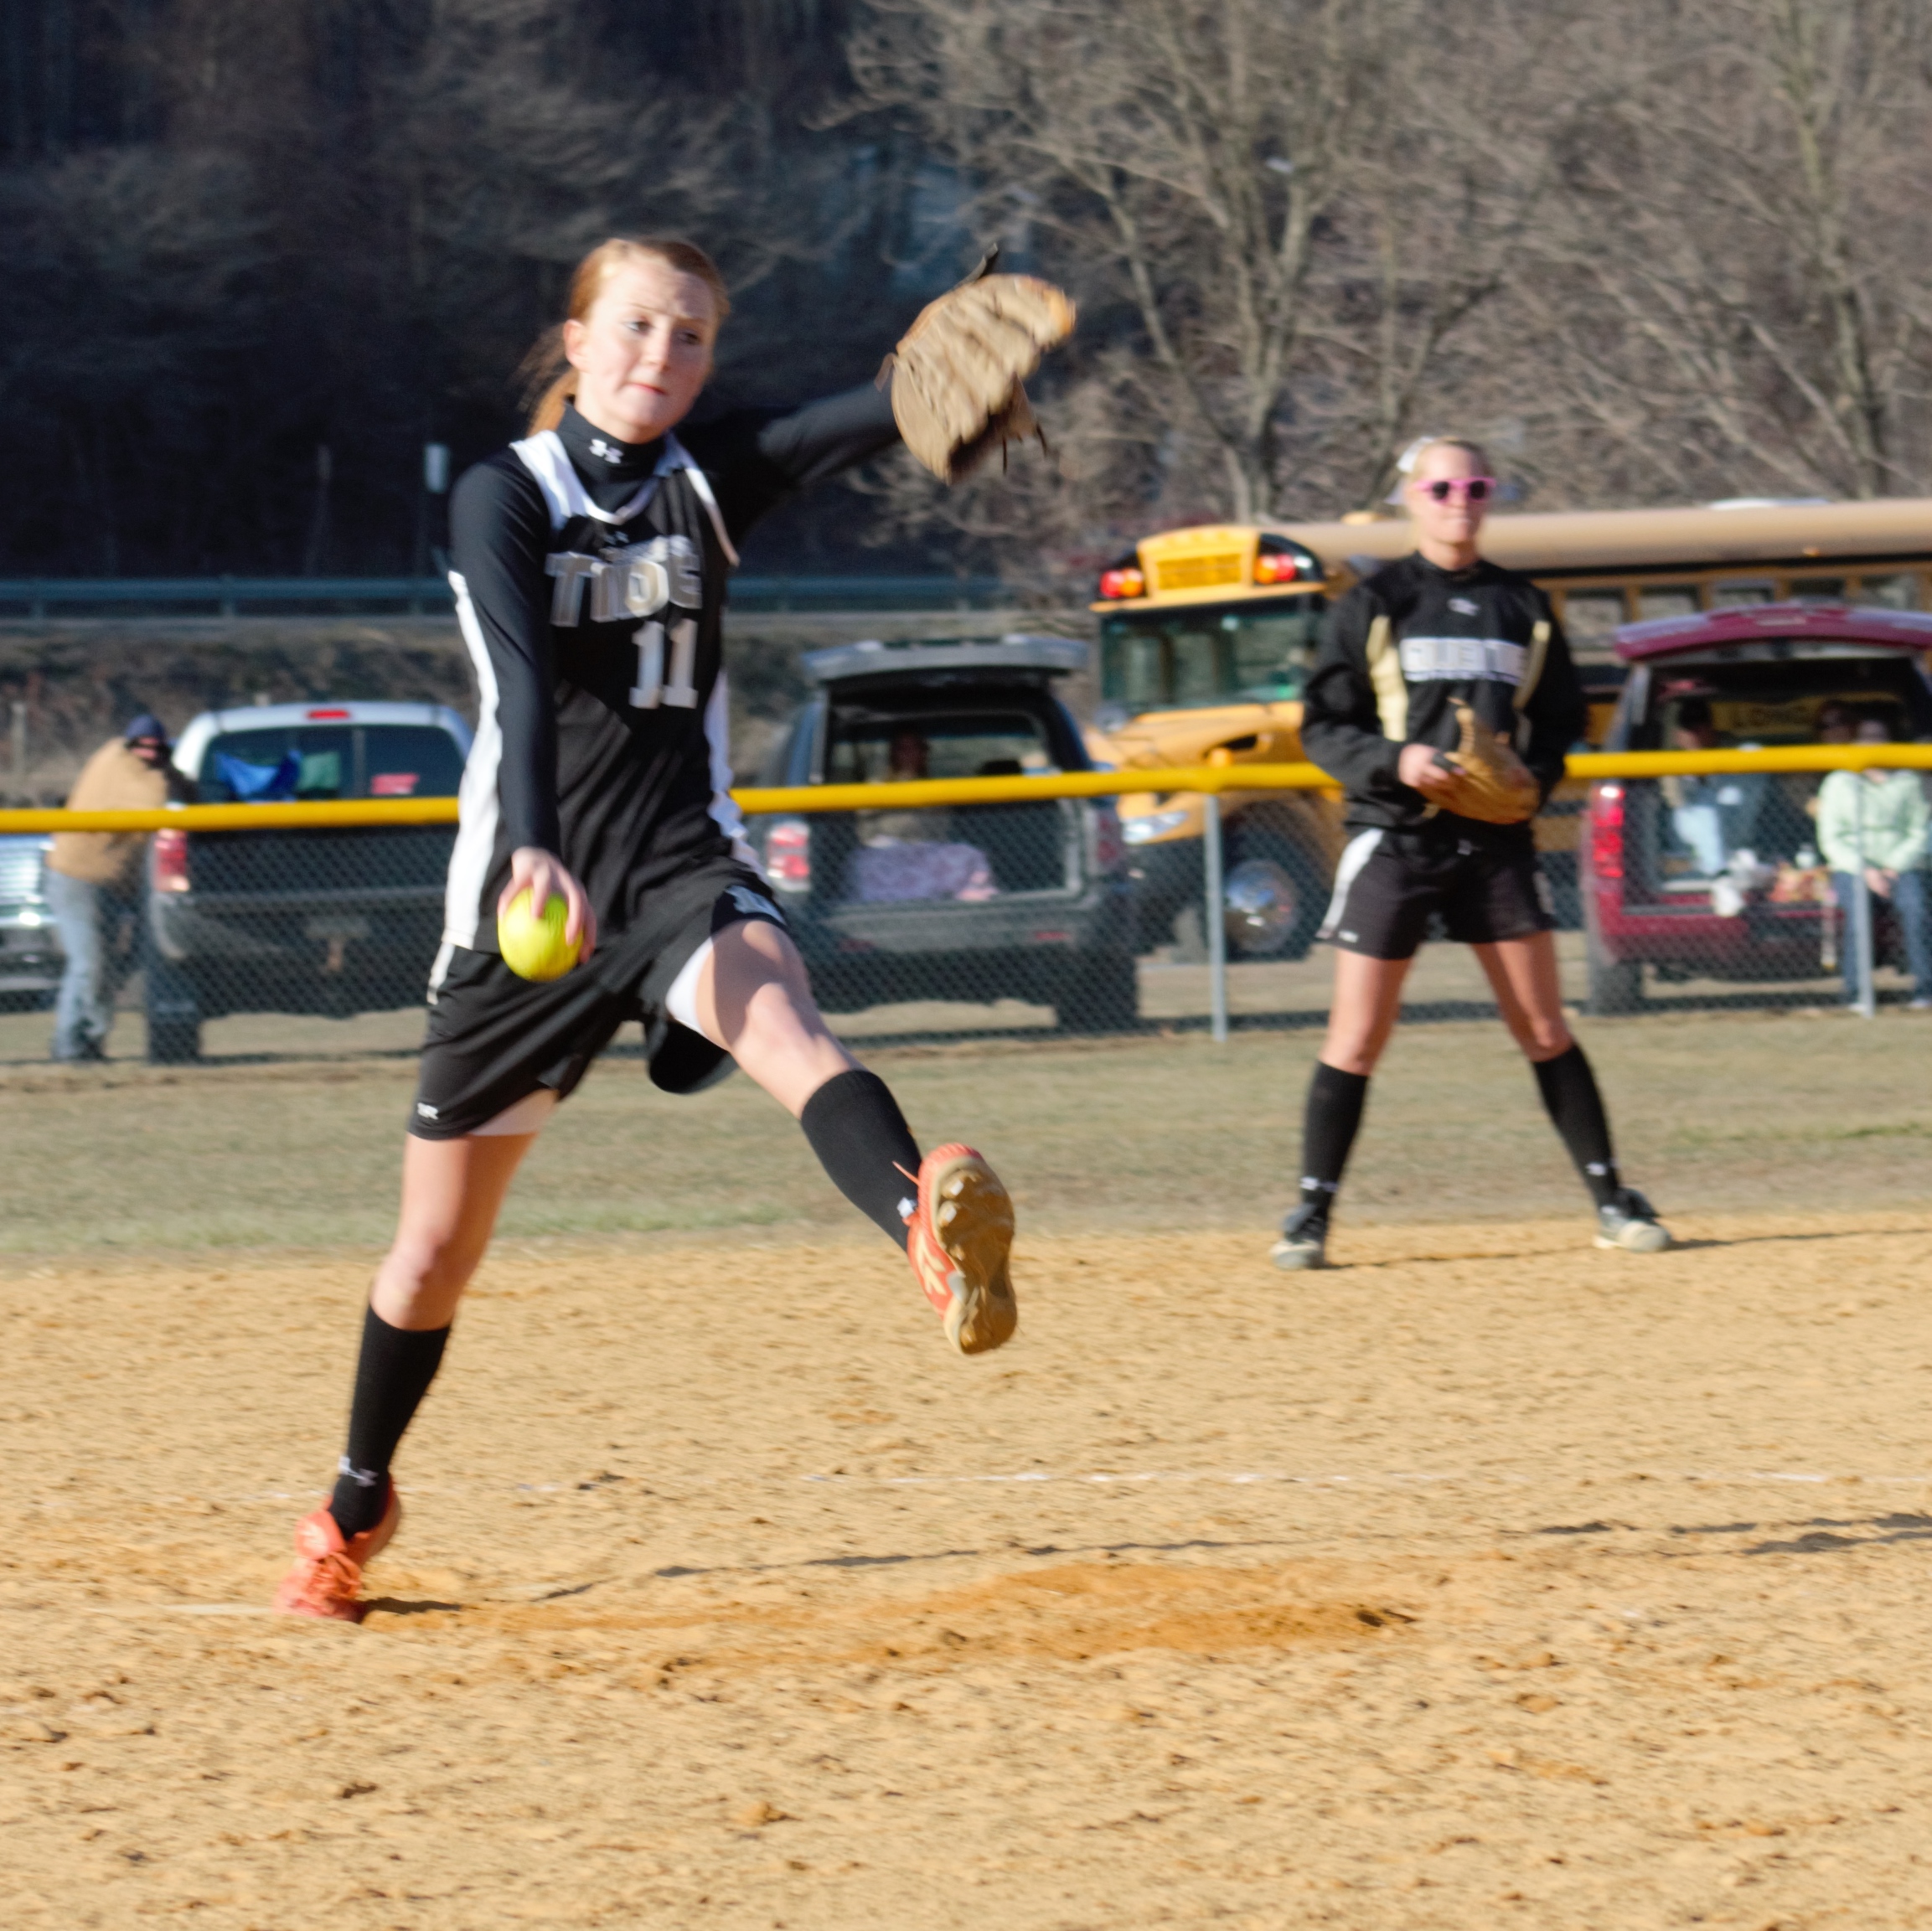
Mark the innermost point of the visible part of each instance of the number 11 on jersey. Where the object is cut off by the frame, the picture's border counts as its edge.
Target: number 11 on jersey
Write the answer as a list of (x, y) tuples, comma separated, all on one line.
[(651, 689)]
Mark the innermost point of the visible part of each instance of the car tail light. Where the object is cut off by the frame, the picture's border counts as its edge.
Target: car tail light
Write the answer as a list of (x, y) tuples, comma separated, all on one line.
[(171, 861), (1116, 584), (336, 711), (788, 854), (1607, 830), (1272, 567), (1109, 847)]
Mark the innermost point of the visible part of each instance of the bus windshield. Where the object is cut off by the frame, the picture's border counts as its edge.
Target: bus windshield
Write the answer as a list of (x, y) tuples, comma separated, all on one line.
[(1199, 655)]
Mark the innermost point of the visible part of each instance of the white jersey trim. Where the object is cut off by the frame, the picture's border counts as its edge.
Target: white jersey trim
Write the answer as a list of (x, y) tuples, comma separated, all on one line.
[(724, 807), (478, 811), (1355, 853), (545, 457)]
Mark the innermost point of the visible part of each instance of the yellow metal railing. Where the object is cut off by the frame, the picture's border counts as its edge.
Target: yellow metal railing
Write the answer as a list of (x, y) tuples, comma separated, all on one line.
[(1216, 779)]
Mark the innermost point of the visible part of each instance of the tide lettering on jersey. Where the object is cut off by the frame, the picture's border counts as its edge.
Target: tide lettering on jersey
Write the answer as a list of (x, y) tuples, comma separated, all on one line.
[(1490, 659), (638, 580)]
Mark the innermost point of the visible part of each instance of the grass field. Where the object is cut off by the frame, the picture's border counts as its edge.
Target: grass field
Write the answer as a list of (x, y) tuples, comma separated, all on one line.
[(1483, 1579), (1724, 1112)]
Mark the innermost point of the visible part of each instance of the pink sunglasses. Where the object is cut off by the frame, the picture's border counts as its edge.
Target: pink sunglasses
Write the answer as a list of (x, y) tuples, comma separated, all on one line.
[(1476, 488)]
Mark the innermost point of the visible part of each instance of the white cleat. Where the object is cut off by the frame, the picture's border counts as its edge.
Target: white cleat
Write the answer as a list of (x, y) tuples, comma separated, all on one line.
[(1630, 1223)]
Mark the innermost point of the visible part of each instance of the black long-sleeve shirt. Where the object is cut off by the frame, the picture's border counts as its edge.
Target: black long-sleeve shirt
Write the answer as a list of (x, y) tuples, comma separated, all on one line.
[(590, 577), (1465, 635)]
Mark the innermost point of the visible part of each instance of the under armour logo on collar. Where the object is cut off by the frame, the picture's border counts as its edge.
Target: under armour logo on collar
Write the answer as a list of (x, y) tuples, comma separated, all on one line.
[(608, 450)]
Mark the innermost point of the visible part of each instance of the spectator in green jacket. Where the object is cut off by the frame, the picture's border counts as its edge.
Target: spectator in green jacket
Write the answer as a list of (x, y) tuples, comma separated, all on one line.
[(1880, 816)]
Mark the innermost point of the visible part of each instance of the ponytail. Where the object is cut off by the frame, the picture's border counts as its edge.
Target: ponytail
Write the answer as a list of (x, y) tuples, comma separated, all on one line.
[(549, 380)]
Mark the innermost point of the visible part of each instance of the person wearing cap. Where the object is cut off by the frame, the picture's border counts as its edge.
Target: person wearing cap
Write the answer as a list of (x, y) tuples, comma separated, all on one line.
[(94, 882)]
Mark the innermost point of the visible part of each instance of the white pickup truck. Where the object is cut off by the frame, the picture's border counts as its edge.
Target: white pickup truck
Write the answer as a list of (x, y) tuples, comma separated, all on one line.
[(337, 921)]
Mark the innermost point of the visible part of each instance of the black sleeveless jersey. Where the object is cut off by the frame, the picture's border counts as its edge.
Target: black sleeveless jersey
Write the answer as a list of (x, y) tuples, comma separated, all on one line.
[(590, 580)]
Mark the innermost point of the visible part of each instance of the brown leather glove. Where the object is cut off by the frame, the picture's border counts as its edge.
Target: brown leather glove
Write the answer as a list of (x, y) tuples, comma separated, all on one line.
[(1491, 783), (957, 374)]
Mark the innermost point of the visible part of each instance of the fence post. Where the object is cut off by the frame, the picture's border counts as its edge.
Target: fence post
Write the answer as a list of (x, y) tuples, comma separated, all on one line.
[(1215, 917), (1867, 999)]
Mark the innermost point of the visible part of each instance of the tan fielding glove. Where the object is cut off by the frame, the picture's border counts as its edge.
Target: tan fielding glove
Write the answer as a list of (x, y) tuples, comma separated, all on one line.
[(1491, 783), (957, 374)]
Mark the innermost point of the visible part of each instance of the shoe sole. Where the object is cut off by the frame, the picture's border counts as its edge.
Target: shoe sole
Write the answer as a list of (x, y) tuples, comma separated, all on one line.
[(1649, 1239), (972, 1215), (1296, 1260)]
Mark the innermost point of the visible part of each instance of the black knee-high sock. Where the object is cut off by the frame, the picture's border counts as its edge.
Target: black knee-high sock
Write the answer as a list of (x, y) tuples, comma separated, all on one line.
[(1576, 1108), (392, 1374), (862, 1141), (1335, 1100)]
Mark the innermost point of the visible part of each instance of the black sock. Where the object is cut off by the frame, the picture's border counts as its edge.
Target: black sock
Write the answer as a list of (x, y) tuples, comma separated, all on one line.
[(392, 1376), (1334, 1115), (862, 1141), (1569, 1090)]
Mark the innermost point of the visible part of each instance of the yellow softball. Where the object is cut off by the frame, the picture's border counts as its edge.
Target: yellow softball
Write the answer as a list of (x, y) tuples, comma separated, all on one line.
[(533, 947)]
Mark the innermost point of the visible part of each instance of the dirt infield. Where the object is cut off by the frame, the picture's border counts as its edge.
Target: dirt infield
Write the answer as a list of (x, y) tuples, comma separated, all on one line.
[(1484, 1579)]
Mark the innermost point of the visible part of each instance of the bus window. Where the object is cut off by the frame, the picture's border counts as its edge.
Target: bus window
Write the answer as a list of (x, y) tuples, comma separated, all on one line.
[(1817, 590), (1271, 653), (1892, 592), (1590, 615), (1196, 649), (1670, 600), (1154, 659), (1729, 596), (1135, 675)]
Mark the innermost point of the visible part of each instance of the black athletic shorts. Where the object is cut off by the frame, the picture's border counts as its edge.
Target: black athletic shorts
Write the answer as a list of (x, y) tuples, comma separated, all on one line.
[(495, 1039), (1389, 883)]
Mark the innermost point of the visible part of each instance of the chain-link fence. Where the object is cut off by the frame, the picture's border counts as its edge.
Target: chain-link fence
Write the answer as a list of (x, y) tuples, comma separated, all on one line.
[(1019, 905)]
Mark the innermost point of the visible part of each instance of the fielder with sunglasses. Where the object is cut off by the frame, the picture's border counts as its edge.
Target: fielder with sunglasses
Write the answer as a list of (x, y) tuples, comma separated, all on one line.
[(1444, 700)]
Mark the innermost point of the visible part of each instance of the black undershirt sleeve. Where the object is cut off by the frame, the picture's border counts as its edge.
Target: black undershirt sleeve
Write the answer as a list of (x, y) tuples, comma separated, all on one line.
[(500, 538), (757, 458), (1341, 728), (1557, 711)]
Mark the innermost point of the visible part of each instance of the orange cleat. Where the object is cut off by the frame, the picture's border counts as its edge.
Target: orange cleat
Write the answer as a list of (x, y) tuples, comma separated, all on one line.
[(327, 1578), (958, 1236)]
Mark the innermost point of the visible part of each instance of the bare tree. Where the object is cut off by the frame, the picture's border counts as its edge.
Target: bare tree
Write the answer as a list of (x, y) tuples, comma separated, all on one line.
[(1739, 296), (1292, 209)]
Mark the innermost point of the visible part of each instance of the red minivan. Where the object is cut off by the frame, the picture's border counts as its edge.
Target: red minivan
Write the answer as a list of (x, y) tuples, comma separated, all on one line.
[(1720, 878)]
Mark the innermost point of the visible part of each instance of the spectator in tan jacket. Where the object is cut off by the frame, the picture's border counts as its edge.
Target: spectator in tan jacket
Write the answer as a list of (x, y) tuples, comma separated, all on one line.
[(94, 883)]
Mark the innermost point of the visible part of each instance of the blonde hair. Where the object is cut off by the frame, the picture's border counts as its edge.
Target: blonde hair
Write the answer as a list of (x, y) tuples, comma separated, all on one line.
[(1410, 461), (549, 378)]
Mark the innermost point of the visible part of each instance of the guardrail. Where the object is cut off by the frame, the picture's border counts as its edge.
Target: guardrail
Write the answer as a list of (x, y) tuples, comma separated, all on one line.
[(41, 598), (1829, 908)]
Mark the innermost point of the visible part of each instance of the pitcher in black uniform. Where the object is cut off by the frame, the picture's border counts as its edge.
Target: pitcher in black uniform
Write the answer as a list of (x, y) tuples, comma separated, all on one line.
[(590, 570), (1439, 628)]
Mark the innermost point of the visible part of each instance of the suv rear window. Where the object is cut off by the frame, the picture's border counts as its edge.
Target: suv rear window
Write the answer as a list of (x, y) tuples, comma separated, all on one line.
[(334, 760), (874, 750), (1781, 703)]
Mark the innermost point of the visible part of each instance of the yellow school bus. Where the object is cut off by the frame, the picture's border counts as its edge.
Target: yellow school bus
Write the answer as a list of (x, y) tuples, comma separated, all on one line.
[(1206, 634)]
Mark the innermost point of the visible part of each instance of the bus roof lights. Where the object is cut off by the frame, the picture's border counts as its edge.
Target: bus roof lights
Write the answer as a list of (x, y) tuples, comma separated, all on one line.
[(1276, 567), (1125, 580)]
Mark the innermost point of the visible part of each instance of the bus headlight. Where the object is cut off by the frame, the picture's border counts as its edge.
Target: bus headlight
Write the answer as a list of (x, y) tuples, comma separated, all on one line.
[(1155, 824)]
